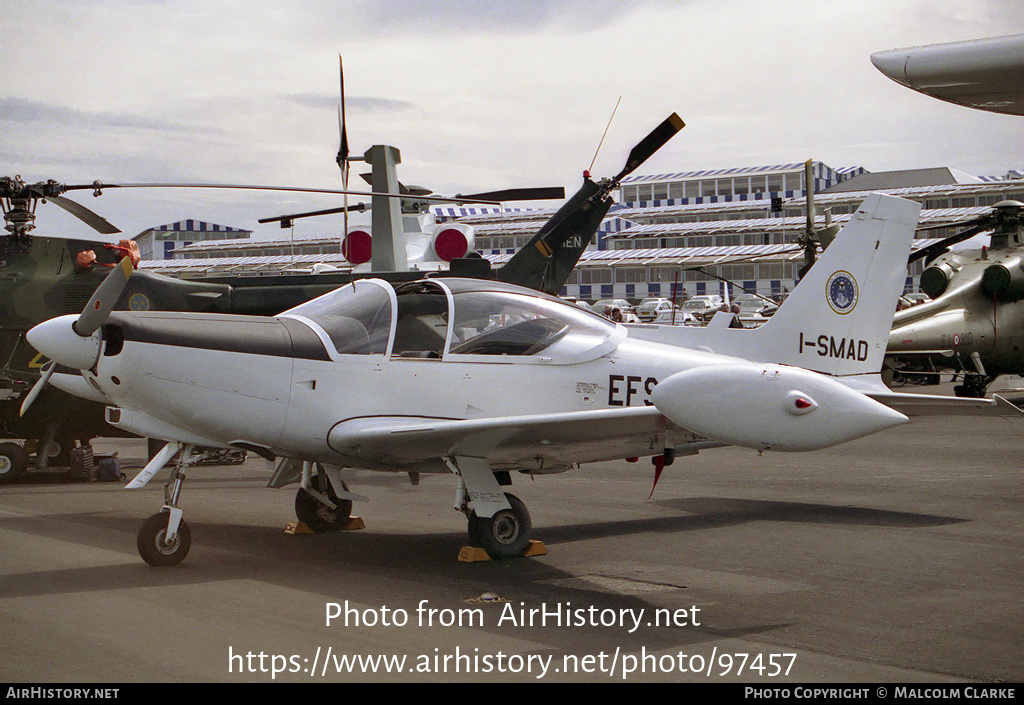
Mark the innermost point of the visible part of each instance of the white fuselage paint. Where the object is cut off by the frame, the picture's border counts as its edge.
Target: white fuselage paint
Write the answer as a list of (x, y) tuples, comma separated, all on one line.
[(290, 405)]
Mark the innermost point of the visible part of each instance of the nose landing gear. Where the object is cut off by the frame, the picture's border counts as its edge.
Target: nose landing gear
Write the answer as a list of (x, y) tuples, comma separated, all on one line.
[(158, 546), (164, 539)]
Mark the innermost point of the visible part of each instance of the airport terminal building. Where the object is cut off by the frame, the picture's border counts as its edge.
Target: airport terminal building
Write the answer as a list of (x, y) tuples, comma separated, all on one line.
[(677, 234), (161, 242)]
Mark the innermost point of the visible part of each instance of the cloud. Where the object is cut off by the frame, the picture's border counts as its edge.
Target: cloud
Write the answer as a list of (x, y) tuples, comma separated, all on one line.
[(20, 110), (364, 104), (491, 16)]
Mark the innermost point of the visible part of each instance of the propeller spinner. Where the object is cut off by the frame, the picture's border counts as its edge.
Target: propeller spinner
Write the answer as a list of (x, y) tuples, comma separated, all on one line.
[(74, 341)]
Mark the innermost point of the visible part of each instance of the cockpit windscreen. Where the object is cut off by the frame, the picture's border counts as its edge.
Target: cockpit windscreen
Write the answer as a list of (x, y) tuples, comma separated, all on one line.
[(356, 317)]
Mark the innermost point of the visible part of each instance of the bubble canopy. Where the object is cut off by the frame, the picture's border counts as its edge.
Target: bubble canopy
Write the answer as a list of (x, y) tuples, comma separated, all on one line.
[(454, 319)]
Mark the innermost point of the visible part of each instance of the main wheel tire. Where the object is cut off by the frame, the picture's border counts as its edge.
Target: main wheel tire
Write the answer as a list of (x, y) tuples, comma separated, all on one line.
[(317, 516), (504, 535), (155, 550), (12, 462)]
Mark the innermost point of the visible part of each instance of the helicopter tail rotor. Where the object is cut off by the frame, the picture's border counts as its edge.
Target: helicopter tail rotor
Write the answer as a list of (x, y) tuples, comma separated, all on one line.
[(650, 144)]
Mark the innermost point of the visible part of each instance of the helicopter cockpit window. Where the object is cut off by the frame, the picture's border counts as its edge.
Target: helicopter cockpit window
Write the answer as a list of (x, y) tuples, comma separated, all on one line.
[(503, 323), (356, 317)]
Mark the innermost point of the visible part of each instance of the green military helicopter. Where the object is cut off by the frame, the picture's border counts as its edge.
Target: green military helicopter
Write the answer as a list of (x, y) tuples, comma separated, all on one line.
[(43, 277)]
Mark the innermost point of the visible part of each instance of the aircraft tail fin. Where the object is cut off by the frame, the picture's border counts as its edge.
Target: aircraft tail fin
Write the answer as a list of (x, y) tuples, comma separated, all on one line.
[(546, 261), (838, 318)]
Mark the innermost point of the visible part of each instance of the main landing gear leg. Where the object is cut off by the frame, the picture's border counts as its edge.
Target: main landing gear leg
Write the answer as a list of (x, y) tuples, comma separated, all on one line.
[(317, 504), (164, 539), (498, 521)]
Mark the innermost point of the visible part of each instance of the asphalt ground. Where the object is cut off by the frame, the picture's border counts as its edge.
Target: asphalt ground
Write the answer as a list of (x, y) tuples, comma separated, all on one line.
[(894, 559)]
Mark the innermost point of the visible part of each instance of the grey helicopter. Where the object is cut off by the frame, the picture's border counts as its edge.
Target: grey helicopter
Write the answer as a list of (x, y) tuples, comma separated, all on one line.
[(974, 323)]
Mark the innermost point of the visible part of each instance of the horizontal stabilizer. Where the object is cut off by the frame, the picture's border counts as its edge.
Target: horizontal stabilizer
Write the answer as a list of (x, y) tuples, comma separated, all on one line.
[(941, 405), (933, 404)]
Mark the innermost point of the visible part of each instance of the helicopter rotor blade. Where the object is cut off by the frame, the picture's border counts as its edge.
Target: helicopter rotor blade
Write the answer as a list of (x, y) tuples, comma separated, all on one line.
[(285, 220), (251, 187), (983, 220), (519, 194), (96, 222), (650, 144), (933, 251), (103, 299)]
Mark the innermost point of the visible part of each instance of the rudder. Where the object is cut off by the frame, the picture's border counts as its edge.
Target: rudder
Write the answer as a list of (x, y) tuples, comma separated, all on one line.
[(837, 319)]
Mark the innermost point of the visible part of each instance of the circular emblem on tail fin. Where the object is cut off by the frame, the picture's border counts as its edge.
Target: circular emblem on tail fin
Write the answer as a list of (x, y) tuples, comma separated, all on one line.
[(841, 292)]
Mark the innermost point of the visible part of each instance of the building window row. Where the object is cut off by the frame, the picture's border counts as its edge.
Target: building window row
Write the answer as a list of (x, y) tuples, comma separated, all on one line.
[(704, 188), (738, 273)]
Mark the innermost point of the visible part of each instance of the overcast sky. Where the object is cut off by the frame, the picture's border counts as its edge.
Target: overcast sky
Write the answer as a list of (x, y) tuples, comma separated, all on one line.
[(477, 95)]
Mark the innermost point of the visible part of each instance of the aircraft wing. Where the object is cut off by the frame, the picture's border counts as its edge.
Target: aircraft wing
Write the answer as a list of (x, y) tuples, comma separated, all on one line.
[(537, 442), (940, 405), (912, 404)]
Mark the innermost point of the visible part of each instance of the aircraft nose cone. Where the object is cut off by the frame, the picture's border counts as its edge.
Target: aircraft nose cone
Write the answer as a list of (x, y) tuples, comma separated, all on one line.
[(57, 340)]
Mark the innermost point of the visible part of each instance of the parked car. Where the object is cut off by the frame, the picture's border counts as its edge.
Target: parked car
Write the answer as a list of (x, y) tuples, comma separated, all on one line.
[(649, 309), (676, 318), (607, 307), (703, 307), (577, 302), (754, 309)]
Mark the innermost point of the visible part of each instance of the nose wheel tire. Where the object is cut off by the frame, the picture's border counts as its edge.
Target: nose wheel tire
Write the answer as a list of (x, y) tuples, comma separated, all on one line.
[(504, 535), (154, 547), (319, 517)]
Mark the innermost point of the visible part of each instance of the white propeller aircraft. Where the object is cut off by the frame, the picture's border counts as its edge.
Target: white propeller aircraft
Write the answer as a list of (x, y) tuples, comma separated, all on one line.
[(479, 378)]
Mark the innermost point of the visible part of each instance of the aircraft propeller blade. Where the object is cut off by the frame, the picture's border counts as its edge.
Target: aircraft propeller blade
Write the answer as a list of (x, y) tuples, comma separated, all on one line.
[(343, 132), (37, 388), (103, 299), (650, 144)]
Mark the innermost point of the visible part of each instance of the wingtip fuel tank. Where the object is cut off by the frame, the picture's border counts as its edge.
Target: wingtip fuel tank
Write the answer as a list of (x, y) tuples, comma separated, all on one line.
[(784, 408)]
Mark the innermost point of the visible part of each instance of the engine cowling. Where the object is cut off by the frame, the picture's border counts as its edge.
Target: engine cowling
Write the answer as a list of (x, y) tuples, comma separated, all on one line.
[(935, 279), (1004, 280)]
